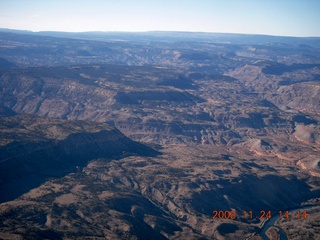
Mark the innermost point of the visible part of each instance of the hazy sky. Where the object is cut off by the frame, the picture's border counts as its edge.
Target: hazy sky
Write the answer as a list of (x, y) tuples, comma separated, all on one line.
[(273, 17)]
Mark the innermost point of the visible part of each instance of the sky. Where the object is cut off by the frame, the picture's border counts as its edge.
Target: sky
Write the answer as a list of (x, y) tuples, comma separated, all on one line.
[(272, 17)]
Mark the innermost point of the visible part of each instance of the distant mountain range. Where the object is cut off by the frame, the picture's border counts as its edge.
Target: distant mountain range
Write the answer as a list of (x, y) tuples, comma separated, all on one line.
[(169, 36)]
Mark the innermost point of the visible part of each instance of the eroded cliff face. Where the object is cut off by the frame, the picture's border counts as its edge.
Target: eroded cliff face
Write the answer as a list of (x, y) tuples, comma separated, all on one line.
[(290, 87), (300, 96), (34, 149), (213, 109)]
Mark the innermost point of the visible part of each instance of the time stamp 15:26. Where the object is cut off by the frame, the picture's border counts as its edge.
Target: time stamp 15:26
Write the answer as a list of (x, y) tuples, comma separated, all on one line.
[(263, 214)]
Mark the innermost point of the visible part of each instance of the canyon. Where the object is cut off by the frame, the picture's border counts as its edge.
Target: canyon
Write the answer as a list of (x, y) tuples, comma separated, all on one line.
[(144, 135)]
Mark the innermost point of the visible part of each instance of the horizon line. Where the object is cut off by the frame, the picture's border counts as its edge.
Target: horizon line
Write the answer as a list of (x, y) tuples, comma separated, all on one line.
[(153, 31)]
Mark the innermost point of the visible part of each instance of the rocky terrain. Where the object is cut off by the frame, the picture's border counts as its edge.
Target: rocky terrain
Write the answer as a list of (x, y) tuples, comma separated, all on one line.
[(217, 122), (35, 149)]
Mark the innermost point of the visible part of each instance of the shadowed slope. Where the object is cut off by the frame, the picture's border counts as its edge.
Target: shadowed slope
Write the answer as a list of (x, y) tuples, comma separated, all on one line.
[(28, 158)]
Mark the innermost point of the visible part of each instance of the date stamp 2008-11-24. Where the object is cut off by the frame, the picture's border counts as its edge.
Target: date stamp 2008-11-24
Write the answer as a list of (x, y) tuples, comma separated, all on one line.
[(263, 214)]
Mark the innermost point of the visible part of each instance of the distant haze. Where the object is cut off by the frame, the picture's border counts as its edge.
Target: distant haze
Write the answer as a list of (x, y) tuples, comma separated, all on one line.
[(271, 17)]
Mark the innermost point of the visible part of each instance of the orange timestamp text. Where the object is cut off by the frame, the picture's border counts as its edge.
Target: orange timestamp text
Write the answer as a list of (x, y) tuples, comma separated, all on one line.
[(263, 214)]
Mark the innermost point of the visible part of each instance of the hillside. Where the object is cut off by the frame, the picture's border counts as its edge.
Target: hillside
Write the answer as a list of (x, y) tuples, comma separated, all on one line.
[(35, 149)]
